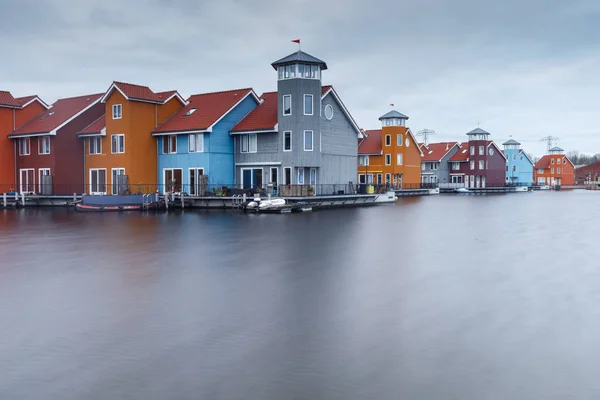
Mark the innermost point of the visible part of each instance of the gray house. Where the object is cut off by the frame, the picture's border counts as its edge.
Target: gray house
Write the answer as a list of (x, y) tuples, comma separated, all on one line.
[(298, 137), (435, 168)]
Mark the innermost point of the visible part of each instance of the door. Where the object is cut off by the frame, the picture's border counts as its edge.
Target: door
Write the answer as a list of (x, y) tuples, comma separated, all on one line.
[(197, 182), (478, 181), (399, 180), (173, 179), (119, 184), (246, 178), (97, 181), (274, 178), (257, 177), (27, 180), (483, 181), (44, 181)]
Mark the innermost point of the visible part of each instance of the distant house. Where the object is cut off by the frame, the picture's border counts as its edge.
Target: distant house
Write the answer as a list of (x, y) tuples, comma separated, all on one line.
[(587, 173), (301, 136), (519, 167), (195, 149), (554, 168), (479, 163), (435, 168), (14, 112), (370, 158), (49, 155)]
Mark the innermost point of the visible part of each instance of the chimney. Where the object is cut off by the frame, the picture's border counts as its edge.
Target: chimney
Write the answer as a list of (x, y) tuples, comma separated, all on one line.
[(447, 144)]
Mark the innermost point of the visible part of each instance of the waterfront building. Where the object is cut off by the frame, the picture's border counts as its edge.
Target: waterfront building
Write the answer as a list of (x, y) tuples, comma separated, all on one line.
[(120, 152), (301, 136), (587, 173), (14, 112), (195, 149), (435, 168), (391, 156), (554, 168), (48, 153), (479, 163), (519, 167)]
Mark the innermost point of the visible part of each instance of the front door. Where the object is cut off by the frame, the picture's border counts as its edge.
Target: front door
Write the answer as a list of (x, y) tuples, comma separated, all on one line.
[(478, 181), (118, 181), (27, 181), (44, 181), (483, 181), (97, 181), (173, 179), (246, 178)]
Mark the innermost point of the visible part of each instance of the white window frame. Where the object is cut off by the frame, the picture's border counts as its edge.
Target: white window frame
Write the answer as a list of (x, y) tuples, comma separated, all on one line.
[(169, 144), (552, 160), (481, 165), (117, 111), (472, 165), (481, 150), (276, 183), (193, 172), (455, 166), (399, 159), (399, 140), (112, 175), (40, 170), (90, 181), (286, 96), (98, 148), (41, 146), (310, 177), (472, 150), (112, 138), (312, 104), (365, 160), (300, 174), (22, 141), (388, 140), (285, 169), (291, 137), (193, 140), (388, 178), (251, 143), (312, 140), (388, 159)]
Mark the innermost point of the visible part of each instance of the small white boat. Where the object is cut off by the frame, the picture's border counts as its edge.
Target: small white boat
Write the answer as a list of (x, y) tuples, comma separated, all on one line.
[(434, 191), (462, 190), (545, 187), (254, 203), (521, 189), (273, 203)]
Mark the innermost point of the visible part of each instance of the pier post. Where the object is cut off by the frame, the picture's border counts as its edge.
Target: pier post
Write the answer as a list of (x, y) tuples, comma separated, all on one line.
[(167, 201), (16, 197), (4, 202), (244, 198), (182, 202), (23, 199), (74, 197)]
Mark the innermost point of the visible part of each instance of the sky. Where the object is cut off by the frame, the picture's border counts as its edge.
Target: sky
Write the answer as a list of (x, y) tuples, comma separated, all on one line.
[(524, 69)]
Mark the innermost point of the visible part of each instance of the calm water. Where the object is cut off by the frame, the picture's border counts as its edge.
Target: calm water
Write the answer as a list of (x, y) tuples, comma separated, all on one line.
[(448, 297)]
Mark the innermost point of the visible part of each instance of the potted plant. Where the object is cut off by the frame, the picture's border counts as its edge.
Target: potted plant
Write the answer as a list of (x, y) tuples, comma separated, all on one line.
[(311, 191)]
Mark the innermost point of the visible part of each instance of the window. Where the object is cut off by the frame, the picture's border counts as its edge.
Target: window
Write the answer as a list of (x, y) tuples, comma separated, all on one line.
[(552, 170), (379, 179), (172, 180), (197, 185), (558, 170), (388, 140), (521, 158), (514, 169), (118, 144), (363, 160), (507, 168), (117, 110), (196, 143), (455, 166), (472, 165), (308, 104), (287, 175), (491, 151), (399, 159), (45, 181), (312, 180), (44, 145), (329, 112), (399, 140), (387, 178), (481, 165), (422, 166), (514, 157), (96, 145), (287, 104), (119, 181), (24, 147), (300, 176), (540, 171), (472, 150), (558, 161), (287, 141), (481, 150), (189, 112), (97, 181), (434, 166), (552, 161), (308, 140), (169, 144), (248, 143), (407, 142), (388, 159), (314, 71)]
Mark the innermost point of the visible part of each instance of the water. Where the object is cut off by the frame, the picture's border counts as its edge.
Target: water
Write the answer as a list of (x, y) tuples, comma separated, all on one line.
[(447, 297)]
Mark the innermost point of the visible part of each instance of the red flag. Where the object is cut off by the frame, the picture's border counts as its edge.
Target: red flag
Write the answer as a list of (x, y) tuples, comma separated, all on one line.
[(296, 41), (391, 105)]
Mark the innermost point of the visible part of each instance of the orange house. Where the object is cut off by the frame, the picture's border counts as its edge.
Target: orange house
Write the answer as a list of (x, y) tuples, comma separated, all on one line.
[(390, 156), (14, 112), (554, 169), (120, 152)]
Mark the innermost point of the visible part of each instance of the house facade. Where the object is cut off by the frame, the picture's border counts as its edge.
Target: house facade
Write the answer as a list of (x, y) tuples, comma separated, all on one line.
[(479, 163), (370, 159), (14, 112), (435, 168), (554, 169), (519, 167), (588, 173), (121, 156), (48, 153), (195, 148), (301, 136)]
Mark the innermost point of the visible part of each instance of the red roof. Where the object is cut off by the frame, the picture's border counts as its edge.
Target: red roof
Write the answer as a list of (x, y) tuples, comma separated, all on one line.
[(263, 117), (209, 108), (139, 93), (166, 95), (95, 127), (61, 111), (7, 100), (462, 154), (543, 162), (372, 143), (436, 151), (325, 88)]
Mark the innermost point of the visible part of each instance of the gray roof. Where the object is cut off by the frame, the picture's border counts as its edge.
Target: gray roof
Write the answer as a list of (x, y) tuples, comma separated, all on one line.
[(393, 114), (556, 148), (511, 142), (299, 57), (478, 131)]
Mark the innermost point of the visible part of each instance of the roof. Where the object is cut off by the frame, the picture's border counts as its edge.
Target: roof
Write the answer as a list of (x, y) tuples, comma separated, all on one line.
[(61, 112), (393, 114), (478, 131), (436, 151), (7, 100), (462, 154), (371, 144), (262, 118), (556, 148), (140, 93), (543, 162), (95, 128), (511, 142), (208, 108), (299, 57)]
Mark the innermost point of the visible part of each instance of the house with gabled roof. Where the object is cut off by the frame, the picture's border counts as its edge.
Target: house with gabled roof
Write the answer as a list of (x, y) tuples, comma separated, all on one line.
[(519, 167), (49, 156), (555, 168), (370, 158), (301, 136), (120, 151), (434, 162), (14, 112), (195, 149)]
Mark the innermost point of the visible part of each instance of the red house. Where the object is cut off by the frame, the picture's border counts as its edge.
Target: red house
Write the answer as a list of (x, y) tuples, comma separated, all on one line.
[(49, 155), (14, 112)]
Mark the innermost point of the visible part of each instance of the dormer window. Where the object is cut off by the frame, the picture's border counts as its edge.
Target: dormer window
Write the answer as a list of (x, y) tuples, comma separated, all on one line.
[(190, 112)]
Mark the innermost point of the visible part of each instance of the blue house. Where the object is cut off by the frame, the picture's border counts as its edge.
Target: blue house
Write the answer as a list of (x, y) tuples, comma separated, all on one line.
[(195, 149), (519, 167)]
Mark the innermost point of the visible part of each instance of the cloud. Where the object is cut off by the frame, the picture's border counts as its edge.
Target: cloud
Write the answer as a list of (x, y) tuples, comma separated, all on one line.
[(522, 68)]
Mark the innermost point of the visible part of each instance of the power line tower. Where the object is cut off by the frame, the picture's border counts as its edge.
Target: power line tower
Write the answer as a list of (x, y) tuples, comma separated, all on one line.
[(426, 133), (549, 142)]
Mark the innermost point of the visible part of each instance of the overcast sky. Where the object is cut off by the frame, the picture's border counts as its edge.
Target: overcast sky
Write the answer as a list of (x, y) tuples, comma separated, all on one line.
[(526, 68)]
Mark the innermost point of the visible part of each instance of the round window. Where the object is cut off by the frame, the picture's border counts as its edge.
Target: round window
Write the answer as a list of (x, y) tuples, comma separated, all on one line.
[(407, 142), (491, 151), (328, 111)]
